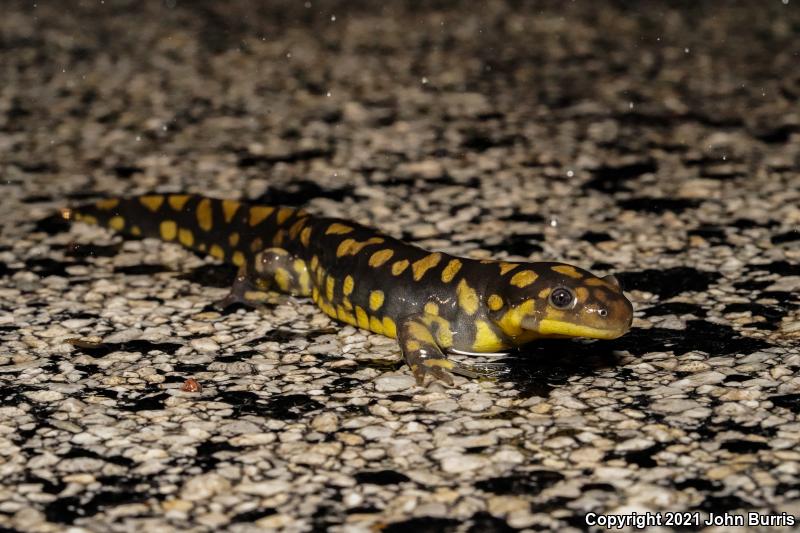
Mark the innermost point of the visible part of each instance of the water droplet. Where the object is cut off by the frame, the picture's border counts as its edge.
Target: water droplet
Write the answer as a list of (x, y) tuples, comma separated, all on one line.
[(333, 18), (686, 50), (570, 173), (424, 80)]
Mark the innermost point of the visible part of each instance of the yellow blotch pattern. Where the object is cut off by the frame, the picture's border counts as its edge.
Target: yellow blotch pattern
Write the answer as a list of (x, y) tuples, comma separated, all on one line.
[(237, 258), (523, 278), (362, 318), (338, 229), (389, 327), (305, 236), (567, 270), (107, 204), (282, 278), (296, 227), (376, 325), (185, 237), (423, 265), (283, 214), (495, 302), (152, 201), (168, 230), (451, 270), (467, 297), (375, 300), (486, 340), (205, 218), (330, 285), (431, 308), (136, 231), (117, 223), (380, 257), (216, 251), (352, 247), (177, 201), (229, 208), (259, 213), (347, 286), (399, 266), (233, 239), (507, 267)]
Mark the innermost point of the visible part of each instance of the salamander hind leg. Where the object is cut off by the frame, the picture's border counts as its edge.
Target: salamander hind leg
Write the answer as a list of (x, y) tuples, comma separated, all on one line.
[(422, 353)]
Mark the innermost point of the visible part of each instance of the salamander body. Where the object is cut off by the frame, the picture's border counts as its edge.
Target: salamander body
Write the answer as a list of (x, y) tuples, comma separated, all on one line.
[(431, 302)]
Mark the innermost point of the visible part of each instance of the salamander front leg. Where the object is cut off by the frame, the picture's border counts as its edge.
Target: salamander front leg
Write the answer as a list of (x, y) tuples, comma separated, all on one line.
[(422, 353), (244, 291)]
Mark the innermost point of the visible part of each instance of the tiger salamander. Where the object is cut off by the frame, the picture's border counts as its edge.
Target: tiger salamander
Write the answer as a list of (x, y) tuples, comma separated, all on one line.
[(431, 302)]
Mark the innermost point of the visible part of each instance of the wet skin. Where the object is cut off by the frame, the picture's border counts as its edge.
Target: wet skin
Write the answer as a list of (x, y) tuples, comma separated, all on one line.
[(431, 302)]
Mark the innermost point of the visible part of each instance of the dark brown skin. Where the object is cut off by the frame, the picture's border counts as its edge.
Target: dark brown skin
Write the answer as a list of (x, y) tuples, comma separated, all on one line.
[(430, 301)]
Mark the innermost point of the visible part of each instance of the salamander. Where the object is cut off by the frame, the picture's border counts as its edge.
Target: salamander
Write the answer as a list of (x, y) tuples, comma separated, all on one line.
[(431, 302)]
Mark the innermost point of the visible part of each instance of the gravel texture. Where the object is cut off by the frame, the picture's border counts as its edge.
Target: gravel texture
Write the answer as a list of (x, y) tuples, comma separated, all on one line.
[(659, 142)]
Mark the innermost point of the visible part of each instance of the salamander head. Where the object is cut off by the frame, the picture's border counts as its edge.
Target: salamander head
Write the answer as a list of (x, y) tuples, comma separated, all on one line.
[(559, 300)]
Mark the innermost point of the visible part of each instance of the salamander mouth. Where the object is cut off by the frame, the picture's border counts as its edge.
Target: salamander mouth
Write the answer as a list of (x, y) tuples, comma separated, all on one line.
[(556, 328)]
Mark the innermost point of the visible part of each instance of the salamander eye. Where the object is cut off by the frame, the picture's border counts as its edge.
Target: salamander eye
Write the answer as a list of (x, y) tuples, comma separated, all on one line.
[(561, 298)]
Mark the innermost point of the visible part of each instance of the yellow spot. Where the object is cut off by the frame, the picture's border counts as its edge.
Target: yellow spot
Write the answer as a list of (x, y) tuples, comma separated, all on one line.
[(314, 294), (420, 333), (544, 293), (258, 213), (284, 213), (314, 262), (511, 321), (338, 229), (107, 204), (495, 302), (296, 227), (412, 346), (233, 239), (185, 237), (237, 258), (376, 325), (305, 279), (204, 215), (399, 266), (352, 247), (421, 266), (375, 300), (523, 278), (347, 286), (177, 201), (347, 304), (229, 208), (330, 285), (467, 297), (581, 293), (88, 219), (380, 257), (117, 223), (168, 230), (431, 308), (361, 318), (217, 251), (389, 327), (201, 247), (256, 244), (282, 278), (344, 316), (486, 340), (507, 267), (277, 240), (152, 201), (451, 270), (442, 363), (305, 236), (567, 270), (136, 231)]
